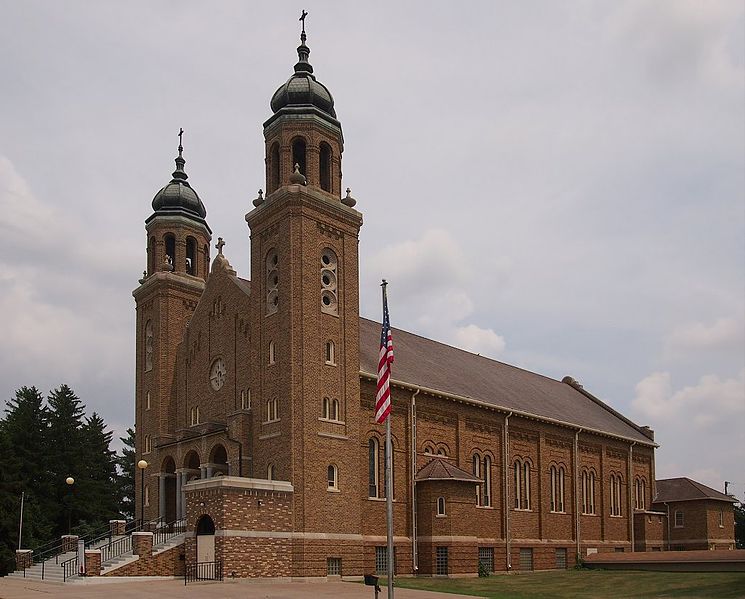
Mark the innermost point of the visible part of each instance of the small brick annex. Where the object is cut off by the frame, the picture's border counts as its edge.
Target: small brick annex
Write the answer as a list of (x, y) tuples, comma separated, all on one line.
[(254, 401)]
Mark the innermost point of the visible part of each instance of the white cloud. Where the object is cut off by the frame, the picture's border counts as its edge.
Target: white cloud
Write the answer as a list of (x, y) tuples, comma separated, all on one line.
[(428, 280), (724, 333)]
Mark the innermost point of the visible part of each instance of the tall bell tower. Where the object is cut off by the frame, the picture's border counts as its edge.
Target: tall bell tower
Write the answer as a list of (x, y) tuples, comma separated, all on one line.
[(178, 241), (304, 267)]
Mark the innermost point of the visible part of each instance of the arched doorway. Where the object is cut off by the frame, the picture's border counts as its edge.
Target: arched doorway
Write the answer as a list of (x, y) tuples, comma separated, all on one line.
[(167, 507), (205, 540), (219, 461)]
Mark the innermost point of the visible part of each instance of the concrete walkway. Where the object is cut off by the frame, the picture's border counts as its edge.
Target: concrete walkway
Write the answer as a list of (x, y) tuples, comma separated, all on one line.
[(167, 589)]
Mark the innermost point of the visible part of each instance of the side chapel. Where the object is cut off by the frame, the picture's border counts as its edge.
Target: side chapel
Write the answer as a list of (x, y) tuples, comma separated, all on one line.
[(254, 400)]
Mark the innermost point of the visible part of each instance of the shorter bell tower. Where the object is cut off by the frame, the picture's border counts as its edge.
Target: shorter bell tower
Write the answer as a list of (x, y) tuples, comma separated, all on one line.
[(178, 258)]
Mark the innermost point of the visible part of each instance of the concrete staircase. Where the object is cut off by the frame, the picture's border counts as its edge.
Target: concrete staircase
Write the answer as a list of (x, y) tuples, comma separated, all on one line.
[(52, 570)]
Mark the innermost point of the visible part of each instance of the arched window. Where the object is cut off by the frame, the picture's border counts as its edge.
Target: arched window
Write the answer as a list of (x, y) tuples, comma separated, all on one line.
[(522, 484), (557, 488), (272, 353), (640, 491), (195, 415), (588, 491), (329, 296), (298, 155), (324, 164), (147, 400), (442, 451), (373, 467), (147, 496), (170, 256), (326, 408), (270, 472), (246, 399), (148, 345), (272, 413), (274, 167), (476, 464), (440, 506), (191, 256), (335, 409), (429, 449), (206, 252), (330, 353), (615, 494), (147, 448), (333, 478), (487, 481)]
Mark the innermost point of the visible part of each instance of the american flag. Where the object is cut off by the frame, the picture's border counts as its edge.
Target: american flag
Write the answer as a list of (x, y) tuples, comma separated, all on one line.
[(385, 359)]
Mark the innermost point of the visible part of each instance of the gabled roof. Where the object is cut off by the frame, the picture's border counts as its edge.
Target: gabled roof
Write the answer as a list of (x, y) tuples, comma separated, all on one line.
[(685, 489), (421, 362), (439, 469)]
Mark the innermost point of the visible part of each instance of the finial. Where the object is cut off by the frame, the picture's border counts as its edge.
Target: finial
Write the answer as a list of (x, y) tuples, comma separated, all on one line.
[(303, 66), (259, 200), (179, 173), (297, 178), (220, 244), (348, 200)]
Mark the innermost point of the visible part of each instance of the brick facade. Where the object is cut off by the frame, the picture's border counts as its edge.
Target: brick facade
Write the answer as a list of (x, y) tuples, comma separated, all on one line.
[(283, 406)]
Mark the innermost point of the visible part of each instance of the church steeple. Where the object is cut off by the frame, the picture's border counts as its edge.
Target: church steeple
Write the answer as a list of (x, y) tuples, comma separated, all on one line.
[(303, 131)]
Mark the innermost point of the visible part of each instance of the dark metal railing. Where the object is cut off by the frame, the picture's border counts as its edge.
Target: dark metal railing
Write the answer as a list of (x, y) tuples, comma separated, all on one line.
[(69, 568), (167, 531), (115, 549), (203, 571)]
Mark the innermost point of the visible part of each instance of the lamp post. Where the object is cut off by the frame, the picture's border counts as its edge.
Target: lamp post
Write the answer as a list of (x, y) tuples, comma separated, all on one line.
[(142, 464), (70, 482)]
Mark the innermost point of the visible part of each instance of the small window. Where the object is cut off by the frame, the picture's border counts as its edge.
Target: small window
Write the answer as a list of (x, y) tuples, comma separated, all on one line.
[(441, 561), (148, 345), (526, 558), (147, 445), (441, 451), (147, 400), (373, 467), (270, 472), (335, 410), (333, 478), (486, 559), (429, 450), (324, 164), (333, 566), (147, 496), (272, 414), (195, 416), (246, 399), (440, 506), (679, 523), (330, 354), (272, 353), (721, 518), (381, 560), (561, 558), (326, 408)]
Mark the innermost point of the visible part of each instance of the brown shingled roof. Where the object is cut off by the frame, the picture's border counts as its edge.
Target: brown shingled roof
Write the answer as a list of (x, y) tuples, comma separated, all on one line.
[(439, 469), (425, 363), (685, 489)]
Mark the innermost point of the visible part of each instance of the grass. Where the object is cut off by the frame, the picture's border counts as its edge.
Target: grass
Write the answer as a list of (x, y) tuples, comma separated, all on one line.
[(590, 584)]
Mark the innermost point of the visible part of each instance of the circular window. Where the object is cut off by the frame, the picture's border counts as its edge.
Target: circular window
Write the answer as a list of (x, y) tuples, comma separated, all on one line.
[(217, 374)]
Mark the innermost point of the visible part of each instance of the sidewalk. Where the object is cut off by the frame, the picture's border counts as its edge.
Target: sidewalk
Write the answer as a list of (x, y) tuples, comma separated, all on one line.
[(171, 589)]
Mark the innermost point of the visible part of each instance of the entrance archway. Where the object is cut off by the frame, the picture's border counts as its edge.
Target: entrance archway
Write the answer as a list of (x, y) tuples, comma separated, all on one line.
[(205, 540)]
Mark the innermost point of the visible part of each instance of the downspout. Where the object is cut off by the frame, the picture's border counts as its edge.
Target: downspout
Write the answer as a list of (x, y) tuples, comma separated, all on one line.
[(631, 496), (668, 523), (576, 494), (414, 547), (505, 490)]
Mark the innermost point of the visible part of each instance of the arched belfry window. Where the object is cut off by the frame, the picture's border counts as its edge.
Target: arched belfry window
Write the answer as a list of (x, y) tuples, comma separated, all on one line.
[(324, 166), (206, 260), (170, 256), (191, 256), (151, 256), (298, 155), (272, 281), (148, 345), (329, 296), (274, 167)]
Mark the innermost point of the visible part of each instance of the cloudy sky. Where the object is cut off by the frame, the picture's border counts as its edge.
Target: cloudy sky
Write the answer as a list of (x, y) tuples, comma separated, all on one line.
[(556, 185)]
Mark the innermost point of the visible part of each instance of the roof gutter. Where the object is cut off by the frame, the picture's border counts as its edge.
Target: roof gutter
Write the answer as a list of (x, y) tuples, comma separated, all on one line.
[(506, 410)]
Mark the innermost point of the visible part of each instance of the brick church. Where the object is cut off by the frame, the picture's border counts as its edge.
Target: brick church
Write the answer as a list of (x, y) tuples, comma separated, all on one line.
[(254, 400)]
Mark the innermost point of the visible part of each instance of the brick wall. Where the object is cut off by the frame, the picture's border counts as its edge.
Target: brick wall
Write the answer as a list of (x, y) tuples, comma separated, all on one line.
[(165, 563)]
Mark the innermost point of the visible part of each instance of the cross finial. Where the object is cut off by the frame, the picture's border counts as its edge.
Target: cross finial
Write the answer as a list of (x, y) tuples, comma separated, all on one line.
[(220, 244), (302, 19), (180, 140)]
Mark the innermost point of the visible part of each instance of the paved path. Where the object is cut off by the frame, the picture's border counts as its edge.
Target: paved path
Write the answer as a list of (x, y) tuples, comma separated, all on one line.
[(168, 589)]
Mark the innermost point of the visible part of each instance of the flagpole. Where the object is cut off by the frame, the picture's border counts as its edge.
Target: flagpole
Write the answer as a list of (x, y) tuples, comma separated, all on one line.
[(388, 479)]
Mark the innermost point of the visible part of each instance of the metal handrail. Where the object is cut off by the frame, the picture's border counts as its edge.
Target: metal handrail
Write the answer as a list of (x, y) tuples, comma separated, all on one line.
[(54, 552), (69, 568), (169, 531), (203, 571)]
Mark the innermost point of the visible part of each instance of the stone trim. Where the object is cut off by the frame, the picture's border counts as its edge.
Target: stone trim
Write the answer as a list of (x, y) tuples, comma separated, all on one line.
[(238, 482)]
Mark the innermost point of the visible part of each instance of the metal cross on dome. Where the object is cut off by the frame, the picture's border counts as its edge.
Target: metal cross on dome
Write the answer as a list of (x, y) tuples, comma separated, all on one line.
[(302, 18), (220, 245)]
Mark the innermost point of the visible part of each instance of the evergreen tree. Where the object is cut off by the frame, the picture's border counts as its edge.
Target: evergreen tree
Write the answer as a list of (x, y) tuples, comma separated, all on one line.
[(25, 447), (68, 459), (125, 480), (96, 498)]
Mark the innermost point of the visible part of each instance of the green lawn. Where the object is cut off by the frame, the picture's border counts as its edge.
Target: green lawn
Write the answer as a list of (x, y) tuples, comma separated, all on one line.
[(591, 584)]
